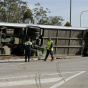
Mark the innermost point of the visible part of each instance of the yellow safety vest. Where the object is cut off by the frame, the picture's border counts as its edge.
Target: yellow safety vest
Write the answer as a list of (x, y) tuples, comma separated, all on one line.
[(49, 45), (28, 43)]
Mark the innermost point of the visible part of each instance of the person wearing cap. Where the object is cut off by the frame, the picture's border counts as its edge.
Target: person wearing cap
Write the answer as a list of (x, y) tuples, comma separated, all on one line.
[(28, 46), (49, 49)]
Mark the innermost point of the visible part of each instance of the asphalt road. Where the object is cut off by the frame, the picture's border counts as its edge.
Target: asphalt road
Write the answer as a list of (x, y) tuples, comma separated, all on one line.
[(61, 73)]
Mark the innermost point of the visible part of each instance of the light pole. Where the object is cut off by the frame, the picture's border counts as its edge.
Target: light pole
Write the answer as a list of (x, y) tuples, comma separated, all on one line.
[(70, 10), (81, 15)]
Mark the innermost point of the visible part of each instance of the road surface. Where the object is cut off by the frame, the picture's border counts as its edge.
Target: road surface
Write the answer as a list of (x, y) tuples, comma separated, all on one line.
[(60, 73)]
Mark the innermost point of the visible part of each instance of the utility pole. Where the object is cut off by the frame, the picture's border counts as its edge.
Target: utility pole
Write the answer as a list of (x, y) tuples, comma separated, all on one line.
[(70, 10)]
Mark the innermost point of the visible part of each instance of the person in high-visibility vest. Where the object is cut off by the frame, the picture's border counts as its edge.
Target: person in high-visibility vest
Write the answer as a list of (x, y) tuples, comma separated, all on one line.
[(28, 46), (49, 49)]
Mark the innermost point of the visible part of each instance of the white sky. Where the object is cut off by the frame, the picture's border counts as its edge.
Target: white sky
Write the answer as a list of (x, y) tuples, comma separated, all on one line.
[(62, 8)]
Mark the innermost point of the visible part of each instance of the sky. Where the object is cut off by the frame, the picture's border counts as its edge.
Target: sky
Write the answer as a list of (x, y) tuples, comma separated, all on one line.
[(62, 8)]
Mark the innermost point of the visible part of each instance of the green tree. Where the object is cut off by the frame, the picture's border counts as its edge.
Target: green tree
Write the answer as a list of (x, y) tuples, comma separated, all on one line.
[(13, 11), (28, 16), (67, 24), (52, 20), (2, 11), (40, 16), (39, 13)]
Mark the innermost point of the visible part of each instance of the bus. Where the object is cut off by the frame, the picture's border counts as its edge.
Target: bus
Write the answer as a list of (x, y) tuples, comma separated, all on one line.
[(67, 40)]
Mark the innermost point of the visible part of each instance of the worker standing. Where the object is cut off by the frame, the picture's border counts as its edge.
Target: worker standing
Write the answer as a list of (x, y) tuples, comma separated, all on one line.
[(49, 49), (28, 46)]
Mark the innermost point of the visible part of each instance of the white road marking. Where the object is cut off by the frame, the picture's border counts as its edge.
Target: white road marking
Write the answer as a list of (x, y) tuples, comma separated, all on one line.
[(62, 82), (34, 75), (17, 77), (45, 80), (61, 73), (27, 82)]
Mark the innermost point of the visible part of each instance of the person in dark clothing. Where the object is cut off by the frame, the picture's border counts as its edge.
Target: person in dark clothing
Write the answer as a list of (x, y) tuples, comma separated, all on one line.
[(28, 46), (49, 49)]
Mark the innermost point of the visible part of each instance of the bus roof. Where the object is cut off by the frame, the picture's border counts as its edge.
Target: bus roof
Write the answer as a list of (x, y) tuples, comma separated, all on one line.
[(21, 25), (13, 24), (60, 27)]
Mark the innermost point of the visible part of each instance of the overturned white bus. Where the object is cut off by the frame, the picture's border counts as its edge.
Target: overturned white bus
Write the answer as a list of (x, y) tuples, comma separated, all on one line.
[(67, 40)]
